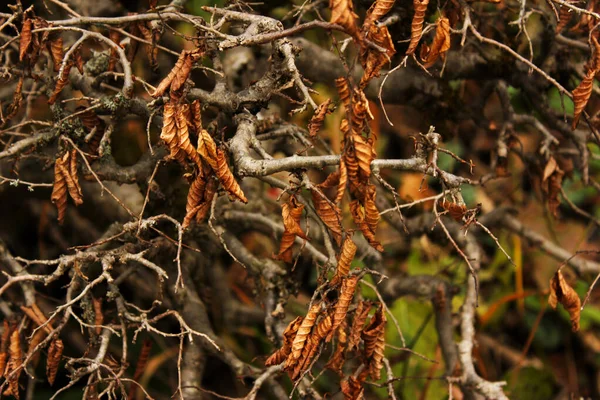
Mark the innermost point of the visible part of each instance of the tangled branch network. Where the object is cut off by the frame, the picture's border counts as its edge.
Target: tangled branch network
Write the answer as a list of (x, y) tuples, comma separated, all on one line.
[(152, 246)]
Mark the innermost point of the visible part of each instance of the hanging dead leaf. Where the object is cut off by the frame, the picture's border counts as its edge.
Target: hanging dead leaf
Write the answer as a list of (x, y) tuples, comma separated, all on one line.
[(61, 82), (54, 355), (312, 345), (378, 10), (183, 134), (416, 27), (14, 369), (342, 13), (288, 338), (561, 292), (551, 187), (360, 317), (170, 134), (115, 37), (372, 59), (581, 96), (336, 362), (345, 258), (329, 213), (291, 213), (4, 342), (358, 215), (440, 45), (207, 149), (59, 190), (151, 49), (26, 36), (455, 210), (315, 123), (374, 339), (302, 335), (227, 179), (14, 107), (344, 299), (352, 388), (179, 74), (343, 181), (565, 14), (140, 367), (57, 52), (98, 314)]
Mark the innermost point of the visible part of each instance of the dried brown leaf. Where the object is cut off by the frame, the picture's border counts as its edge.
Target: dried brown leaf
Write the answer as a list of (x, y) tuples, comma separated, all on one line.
[(207, 149), (316, 122), (358, 216), (183, 134), (140, 367), (360, 317), (14, 363), (565, 14), (26, 37), (329, 213), (227, 179), (378, 10), (314, 341), (581, 96), (4, 343), (416, 27), (170, 134), (98, 314), (288, 338), (345, 259), (61, 82), (374, 339), (344, 299), (352, 388), (372, 59), (291, 213), (343, 181), (440, 45), (336, 362), (115, 37), (59, 189), (302, 335), (54, 355), (342, 13), (179, 74), (14, 107), (561, 292), (57, 52)]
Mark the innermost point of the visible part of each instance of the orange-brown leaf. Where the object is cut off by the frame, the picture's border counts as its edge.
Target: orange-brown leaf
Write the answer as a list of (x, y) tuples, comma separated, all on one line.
[(416, 27), (302, 335), (372, 59), (227, 179), (581, 96), (378, 10), (56, 51), (359, 219), (170, 134), (179, 74), (115, 37), (4, 342), (374, 338), (207, 148), (26, 37), (54, 355), (61, 82), (352, 388), (59, 189), (345, 259), (142, 363), (329, 213), (364, 155), (441, 43), (291, 213), (342, 13), (360, 317), (336, 362), (561, 292), (183, 134), (14, 107), (316, 122), (343, 181), (14, 363), (565, 14), (313, 343), (345, 298), (288, 338)]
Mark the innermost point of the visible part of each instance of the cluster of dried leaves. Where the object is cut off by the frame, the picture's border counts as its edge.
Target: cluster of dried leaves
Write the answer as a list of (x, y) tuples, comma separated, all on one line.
[(305, 338), (37, 327), (182, 126)]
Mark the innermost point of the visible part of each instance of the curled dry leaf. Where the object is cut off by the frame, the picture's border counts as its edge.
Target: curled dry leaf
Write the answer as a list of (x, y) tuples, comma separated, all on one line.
[(352, 388), (140, 367), (374, 339), (416, 27), (372, 59), (345, 298), (227, 179), (302, 335), (59, 190), (4, 342), (561, 292), (207, 149), (288, 338), (183, 134), (336, 362), (343, 181), (179, 74), (151, 50), (581, 96), (565, 14), (329, 213), (14, 364), (169, 133), (14, 107), (343, 87), (312, 345), (551, 186), (440, 45), (345, 258), (342, 13), (358, 216), (57, 52), (61, 82), (26, 37), (98, 314), (54, 355), (316, 122), (133, 44), (291, 213), (378, 9), (360, 317), (363, 154), (456, 211)]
